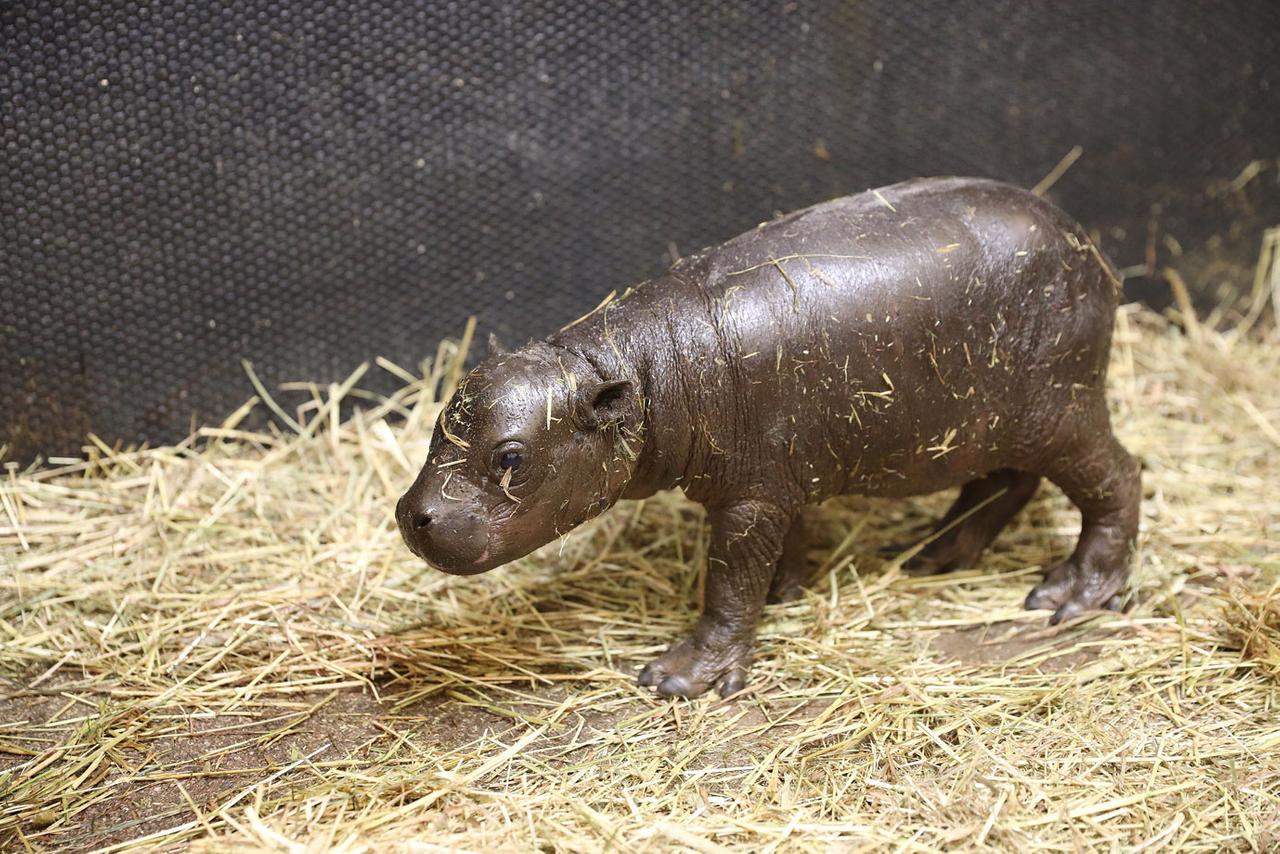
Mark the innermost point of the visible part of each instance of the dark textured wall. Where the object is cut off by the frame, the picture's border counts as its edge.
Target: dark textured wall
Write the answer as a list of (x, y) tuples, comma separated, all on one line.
[(310, 184)]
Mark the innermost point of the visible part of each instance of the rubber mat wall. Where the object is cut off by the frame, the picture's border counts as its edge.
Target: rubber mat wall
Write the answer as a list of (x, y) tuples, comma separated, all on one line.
[(308, 185)]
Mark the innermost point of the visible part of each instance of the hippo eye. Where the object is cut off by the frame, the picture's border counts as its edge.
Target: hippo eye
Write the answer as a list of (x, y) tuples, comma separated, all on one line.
[(508, 457)]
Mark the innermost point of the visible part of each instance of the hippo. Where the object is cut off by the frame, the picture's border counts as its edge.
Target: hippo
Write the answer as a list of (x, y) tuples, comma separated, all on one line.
[(932, 334)]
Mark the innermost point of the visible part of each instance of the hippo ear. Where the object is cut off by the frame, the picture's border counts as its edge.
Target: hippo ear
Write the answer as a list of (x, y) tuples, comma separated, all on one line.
[(495, 346), (603, 403)]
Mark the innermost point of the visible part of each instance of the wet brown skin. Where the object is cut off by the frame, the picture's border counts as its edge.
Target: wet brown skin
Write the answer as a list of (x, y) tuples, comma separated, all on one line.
[(936, 333)]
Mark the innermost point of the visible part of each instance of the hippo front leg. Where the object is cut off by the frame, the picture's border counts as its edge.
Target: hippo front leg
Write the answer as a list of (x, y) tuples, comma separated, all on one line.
[(746, 541)]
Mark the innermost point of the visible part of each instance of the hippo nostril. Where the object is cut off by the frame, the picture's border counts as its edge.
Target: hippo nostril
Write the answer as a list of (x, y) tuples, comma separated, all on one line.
[(421, 520)]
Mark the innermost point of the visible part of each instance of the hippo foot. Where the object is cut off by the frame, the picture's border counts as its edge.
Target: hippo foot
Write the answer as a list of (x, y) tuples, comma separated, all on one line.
[(785, 590), (696, 664), (952, 550), (942, 556), (1070, 590)]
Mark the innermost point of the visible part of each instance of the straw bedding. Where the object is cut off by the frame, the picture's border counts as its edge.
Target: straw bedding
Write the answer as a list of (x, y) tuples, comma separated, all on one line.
[(223, 644)]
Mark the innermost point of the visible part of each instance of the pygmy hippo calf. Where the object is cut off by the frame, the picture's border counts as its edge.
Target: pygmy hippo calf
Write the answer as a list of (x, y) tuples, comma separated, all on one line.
[(936, 333)]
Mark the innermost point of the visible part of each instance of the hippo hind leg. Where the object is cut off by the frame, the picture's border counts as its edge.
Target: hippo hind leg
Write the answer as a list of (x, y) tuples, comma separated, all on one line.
[(981, 511), (1103, 481), (792, 573)]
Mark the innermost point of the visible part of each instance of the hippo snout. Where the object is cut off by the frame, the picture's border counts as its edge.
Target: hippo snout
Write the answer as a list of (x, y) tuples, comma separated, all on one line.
[(451, 539)]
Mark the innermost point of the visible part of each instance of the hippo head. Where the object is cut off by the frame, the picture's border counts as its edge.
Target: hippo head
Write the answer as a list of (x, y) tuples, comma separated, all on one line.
[(533, 443)]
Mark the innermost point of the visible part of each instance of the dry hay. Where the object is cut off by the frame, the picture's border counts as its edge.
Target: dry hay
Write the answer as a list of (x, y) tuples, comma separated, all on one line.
[(224, 643)]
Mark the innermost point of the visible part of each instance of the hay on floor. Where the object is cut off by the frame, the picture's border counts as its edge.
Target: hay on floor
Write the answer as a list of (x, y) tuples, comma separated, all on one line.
[(224, 643)]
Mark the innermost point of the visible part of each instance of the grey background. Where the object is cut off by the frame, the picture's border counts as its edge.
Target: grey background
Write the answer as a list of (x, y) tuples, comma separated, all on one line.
[(308, 185)]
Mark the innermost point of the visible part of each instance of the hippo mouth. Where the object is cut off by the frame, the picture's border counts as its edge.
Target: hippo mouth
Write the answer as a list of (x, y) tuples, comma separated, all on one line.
[(479, 565), (475, 567), (456, 542)]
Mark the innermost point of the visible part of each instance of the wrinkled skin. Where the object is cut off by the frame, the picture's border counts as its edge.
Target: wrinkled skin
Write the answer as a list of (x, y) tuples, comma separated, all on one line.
[(932, 334)]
